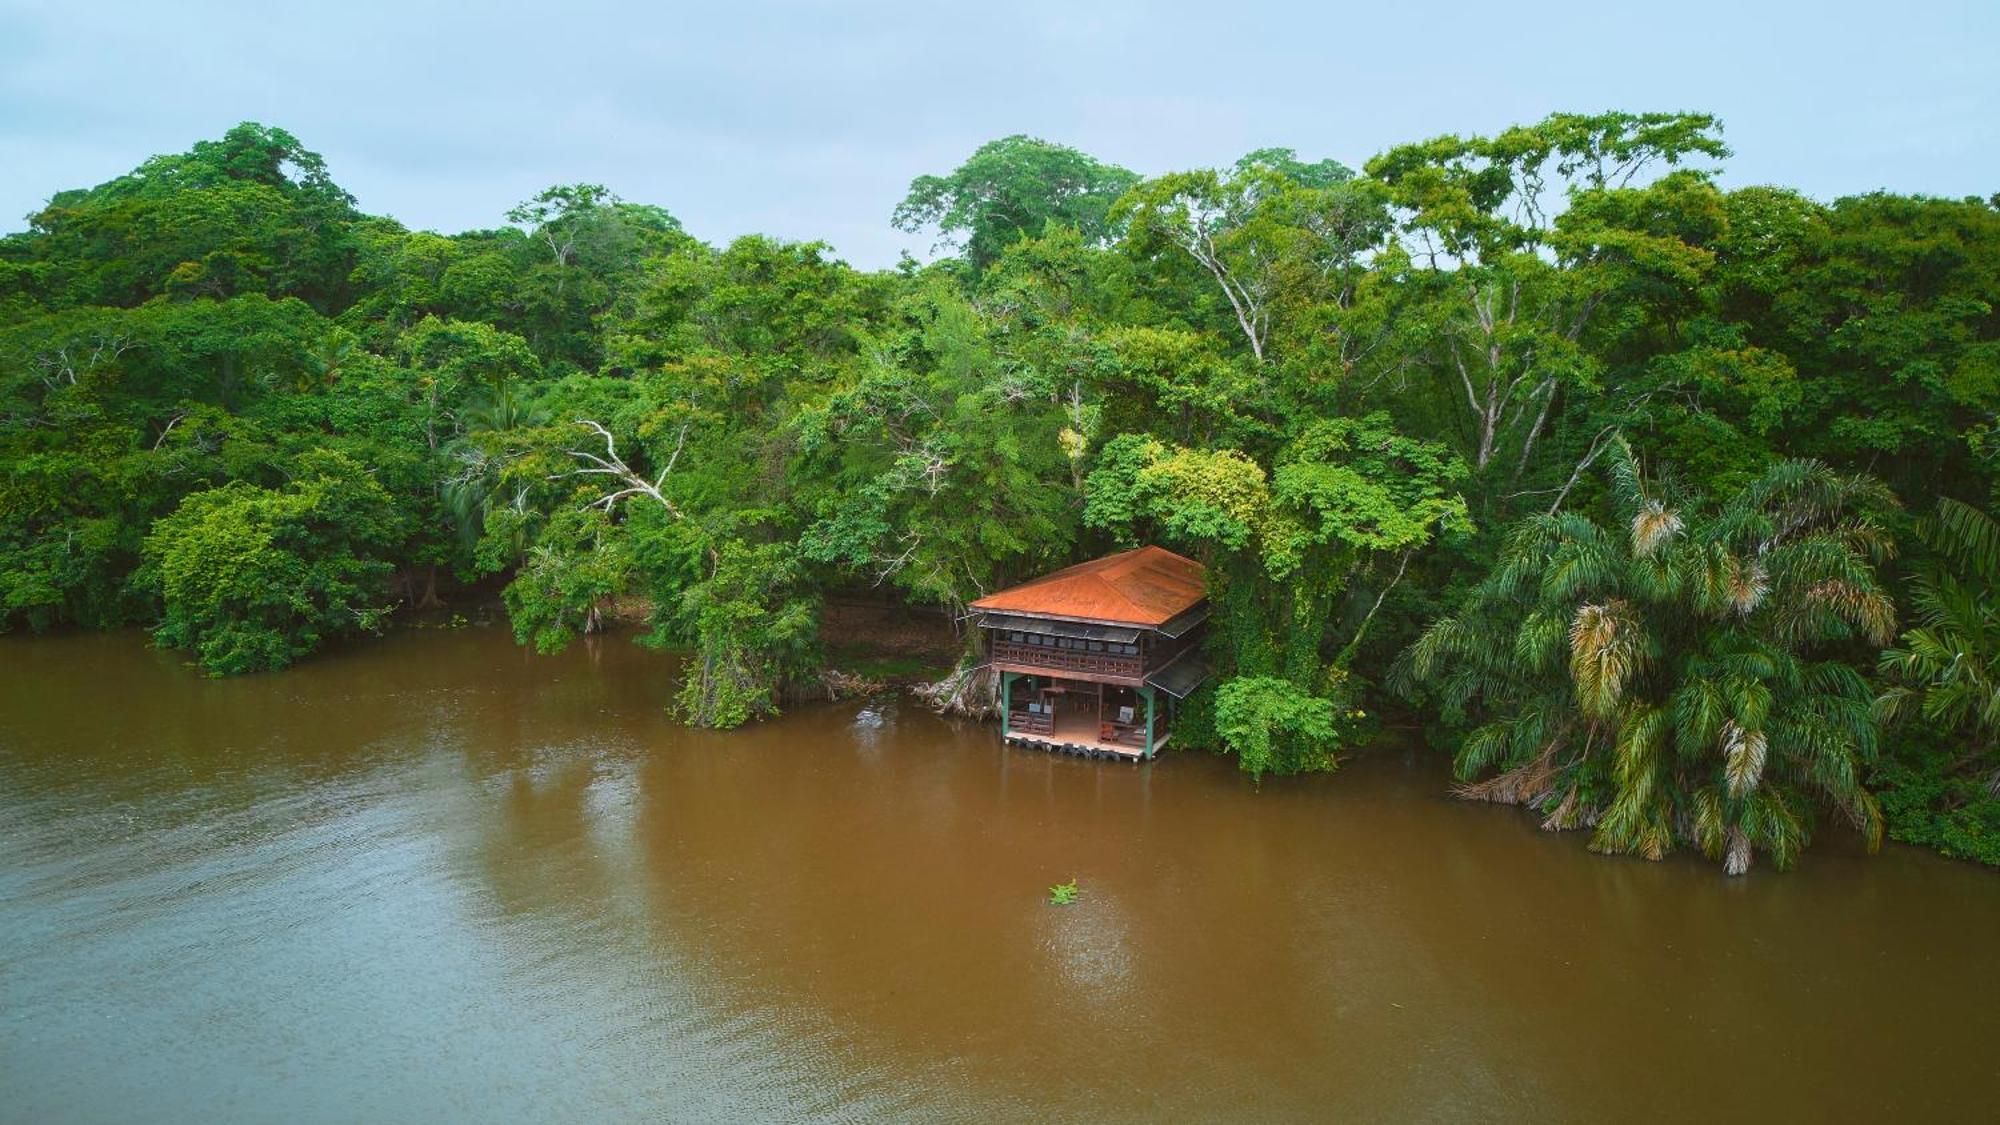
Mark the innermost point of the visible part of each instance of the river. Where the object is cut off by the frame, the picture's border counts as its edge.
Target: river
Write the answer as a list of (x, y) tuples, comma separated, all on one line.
[(432, 878)]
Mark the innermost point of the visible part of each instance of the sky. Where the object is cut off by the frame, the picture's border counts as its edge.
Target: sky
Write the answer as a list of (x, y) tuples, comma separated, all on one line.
[(808, 120)]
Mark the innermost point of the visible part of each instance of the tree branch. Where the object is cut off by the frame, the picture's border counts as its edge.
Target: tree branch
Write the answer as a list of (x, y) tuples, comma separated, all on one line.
[(614, 466)]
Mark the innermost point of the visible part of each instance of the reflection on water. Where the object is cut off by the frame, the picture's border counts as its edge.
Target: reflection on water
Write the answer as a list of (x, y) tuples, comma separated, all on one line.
[(436, 878)]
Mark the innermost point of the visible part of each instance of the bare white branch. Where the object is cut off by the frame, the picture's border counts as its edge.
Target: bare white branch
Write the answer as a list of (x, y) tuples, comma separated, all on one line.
[(612, 465)]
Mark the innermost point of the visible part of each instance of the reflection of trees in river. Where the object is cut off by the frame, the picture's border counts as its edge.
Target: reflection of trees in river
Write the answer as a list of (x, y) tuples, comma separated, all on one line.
[(556, 838), (894, 887), (101, 723), (810, 916), (104, 738)]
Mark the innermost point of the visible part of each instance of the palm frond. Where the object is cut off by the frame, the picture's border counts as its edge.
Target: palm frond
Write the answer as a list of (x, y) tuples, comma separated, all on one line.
[(1539, 642), (1699, 712), (1965, 535), (1868, 610), (1737, 852), (1639, 819), (1628, 482), (1750, 702), (1743, 758), (1744, 584), (1605, 650), (1654, 527), (1529, 783), (1893, 705), (1484, 748), (1706, 823)]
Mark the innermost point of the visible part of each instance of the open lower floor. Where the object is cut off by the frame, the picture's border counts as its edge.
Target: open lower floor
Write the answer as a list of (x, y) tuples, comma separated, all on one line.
[(1083, 717)]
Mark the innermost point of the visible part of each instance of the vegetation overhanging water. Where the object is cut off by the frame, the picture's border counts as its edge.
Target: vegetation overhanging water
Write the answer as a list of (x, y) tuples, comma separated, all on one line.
[(1663, 505)]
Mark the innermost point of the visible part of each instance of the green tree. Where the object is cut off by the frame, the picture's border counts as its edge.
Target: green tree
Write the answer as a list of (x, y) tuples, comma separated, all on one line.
[(1517, 245), (254, 578), (1275, 727), (1884, 307), (1013, 188), (755, 623), (1684, 675), (1273, 236), (254, 212), (1941, 685), (948, 462)]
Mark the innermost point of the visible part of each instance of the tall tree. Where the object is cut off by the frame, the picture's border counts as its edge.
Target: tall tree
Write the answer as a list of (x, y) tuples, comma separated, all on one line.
[(1516, 242), (1010, 189), (1268, 233)]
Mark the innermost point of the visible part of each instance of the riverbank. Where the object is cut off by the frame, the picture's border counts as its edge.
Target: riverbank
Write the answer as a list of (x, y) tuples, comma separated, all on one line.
[(871, 644)]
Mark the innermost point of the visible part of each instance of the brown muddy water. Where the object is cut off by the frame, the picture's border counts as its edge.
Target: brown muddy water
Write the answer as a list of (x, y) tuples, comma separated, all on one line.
[(434, 878)]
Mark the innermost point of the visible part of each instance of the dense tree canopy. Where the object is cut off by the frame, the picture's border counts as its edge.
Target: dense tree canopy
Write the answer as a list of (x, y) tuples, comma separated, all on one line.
[(1400, 412)]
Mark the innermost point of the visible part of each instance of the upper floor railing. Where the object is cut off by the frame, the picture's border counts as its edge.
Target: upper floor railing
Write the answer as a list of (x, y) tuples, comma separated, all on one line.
[(1069, 660)]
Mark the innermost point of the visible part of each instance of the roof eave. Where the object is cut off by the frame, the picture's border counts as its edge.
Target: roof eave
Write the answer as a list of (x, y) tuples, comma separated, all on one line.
[(1149, 626)]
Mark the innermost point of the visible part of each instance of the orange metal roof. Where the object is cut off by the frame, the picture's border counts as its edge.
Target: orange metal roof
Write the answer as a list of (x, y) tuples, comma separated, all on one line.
[(1148, 586)]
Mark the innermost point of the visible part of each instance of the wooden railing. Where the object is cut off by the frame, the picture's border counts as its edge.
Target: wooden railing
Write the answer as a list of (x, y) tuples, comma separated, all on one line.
[(1122, 734), (1024, 722), (1069, 659)]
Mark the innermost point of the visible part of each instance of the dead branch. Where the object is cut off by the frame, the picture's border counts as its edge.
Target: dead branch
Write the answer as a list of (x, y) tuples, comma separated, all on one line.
[(614, 466)]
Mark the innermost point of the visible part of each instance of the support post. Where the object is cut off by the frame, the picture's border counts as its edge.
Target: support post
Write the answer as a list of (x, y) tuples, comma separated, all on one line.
[(1006, 703), (1148, 693)]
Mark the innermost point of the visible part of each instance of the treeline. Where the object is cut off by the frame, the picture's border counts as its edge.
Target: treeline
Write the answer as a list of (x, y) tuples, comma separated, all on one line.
[(1664, 505)]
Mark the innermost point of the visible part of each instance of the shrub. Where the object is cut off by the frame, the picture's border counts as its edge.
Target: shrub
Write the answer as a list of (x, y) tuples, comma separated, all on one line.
[(1274, 726), (253, 578)]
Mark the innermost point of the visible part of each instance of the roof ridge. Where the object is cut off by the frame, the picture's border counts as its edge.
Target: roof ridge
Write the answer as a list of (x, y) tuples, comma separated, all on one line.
[(1104, 580)]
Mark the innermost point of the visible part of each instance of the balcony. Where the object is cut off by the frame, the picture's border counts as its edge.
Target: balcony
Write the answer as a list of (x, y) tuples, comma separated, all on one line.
[(1131, 667)]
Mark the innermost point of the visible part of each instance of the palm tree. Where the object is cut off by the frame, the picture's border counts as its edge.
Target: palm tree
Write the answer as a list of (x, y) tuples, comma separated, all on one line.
[(1947, 668), (473, 491), (1680, 678)]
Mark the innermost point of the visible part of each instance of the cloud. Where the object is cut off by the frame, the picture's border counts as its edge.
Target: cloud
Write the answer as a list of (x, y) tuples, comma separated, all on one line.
[(808, 120)]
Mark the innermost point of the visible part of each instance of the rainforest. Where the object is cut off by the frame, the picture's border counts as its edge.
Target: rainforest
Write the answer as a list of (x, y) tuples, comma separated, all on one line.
[(1664, 509)]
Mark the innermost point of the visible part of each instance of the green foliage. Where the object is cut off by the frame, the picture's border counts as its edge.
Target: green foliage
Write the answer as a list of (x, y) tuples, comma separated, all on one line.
[(252, 578), (1366, 401), (755, 629), (1947, 667), (1012, 188), (1930, 800), (1281, 241), (558, 592), (1283, 548), (1345, 486), (948, 467), (1685, 674), (1273, 726), (1197, 498), (1065, 894), (1941, 681), (1482, 197), (252, 213)]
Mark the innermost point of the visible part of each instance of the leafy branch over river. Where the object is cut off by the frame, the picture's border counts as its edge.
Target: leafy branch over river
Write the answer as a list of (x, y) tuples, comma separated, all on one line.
[(1665, 507)]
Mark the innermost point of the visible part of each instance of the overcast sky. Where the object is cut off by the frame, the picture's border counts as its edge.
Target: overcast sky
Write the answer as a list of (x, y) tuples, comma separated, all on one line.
[(809, 120)]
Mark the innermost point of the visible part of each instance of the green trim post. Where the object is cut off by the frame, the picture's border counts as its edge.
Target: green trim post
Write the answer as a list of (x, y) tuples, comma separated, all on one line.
[(1148, 693), (1006, 703)]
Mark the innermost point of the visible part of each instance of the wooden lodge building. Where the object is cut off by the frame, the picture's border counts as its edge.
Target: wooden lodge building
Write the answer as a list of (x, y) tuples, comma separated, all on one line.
[(1093, 659)]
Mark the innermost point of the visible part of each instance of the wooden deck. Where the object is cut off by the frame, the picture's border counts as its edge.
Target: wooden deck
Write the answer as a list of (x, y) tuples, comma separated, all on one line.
[(1077, 735)]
